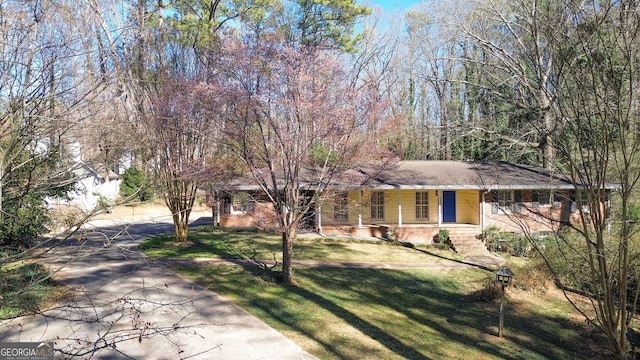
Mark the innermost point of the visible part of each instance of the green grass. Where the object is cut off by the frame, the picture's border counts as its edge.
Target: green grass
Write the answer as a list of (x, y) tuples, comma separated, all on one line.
[(25, 289), (247, 245), (337, 313), (342, 313)]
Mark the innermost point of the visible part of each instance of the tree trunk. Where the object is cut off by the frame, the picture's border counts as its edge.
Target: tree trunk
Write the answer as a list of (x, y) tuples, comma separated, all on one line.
[(548, 150), (180, 226), (289, 235)]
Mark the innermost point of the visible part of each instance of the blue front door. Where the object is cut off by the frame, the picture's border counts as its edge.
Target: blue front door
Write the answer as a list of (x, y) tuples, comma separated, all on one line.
[(448, 206)]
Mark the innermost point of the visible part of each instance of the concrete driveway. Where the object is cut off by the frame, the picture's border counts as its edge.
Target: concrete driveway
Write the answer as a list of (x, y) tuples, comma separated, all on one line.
[(126, 306)]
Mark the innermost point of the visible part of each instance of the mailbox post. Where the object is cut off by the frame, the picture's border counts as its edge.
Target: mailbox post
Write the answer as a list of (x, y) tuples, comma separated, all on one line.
[(504, 275)]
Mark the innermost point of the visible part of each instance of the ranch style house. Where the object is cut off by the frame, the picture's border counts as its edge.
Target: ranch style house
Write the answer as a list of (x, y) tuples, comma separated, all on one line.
[(413, 200)]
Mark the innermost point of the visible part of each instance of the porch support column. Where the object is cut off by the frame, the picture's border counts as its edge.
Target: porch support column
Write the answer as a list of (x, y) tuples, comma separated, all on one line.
[(319, 217), (216, 199), (482, 211), (439, 193), (360, 208), (399, 208)]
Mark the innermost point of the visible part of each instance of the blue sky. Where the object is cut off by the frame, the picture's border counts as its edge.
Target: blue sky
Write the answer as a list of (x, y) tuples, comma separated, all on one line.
[(390, 5)]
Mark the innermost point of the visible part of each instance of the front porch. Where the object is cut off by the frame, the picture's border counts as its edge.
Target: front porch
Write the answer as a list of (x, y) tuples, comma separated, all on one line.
[(411, 215), (466, 235)]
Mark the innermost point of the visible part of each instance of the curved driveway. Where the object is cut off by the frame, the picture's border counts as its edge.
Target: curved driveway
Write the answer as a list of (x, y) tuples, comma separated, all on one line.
[(125, 306)]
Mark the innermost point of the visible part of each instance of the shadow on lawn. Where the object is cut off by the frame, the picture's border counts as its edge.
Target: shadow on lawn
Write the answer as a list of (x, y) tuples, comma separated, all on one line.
[(427, 252), (426, 302), (236, 245), (433, 306), (429, 304), (205, 244), (375, 332)]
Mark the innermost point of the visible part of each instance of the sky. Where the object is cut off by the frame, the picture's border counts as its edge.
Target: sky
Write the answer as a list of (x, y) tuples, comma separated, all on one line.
[(390, 5)]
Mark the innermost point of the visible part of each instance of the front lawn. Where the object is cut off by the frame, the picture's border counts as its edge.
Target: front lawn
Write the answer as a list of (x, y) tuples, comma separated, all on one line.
[(254, 245), (345, 313)]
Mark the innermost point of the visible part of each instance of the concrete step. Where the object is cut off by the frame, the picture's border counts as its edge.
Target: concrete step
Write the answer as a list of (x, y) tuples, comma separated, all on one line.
[(467, 240), (468, 244)]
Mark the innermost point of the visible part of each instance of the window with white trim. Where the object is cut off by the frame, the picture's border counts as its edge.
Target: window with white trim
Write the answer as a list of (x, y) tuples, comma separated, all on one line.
[(377, 205), (558, 197), (541, 198), (240, 202), (507, 201), (422, 205), (582, 200), (341, 206)]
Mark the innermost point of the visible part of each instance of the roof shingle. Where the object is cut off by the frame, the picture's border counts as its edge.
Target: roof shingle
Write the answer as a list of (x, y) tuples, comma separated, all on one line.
[(437, 174)]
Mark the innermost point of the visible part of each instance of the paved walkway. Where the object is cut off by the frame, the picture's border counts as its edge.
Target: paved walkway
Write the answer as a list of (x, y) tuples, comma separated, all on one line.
[(128, 306)]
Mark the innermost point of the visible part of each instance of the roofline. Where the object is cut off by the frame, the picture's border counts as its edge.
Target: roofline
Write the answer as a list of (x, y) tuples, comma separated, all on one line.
[(437, 187), (516, 177), (472, 187)]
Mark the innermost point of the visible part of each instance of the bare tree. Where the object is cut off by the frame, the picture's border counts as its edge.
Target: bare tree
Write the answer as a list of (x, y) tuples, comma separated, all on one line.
[(43, 93), (436, 73), (377, 68), (593, 81), (517, 38), (53, 79), (181, 124), (297, 123), (600, 108)]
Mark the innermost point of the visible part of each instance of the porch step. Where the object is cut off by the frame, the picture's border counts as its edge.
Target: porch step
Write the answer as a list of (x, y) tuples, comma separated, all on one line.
[(467, 242)]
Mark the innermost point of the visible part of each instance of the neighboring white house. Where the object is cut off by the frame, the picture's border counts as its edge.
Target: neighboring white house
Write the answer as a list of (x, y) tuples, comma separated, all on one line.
[(92, 187), (95, 183)]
